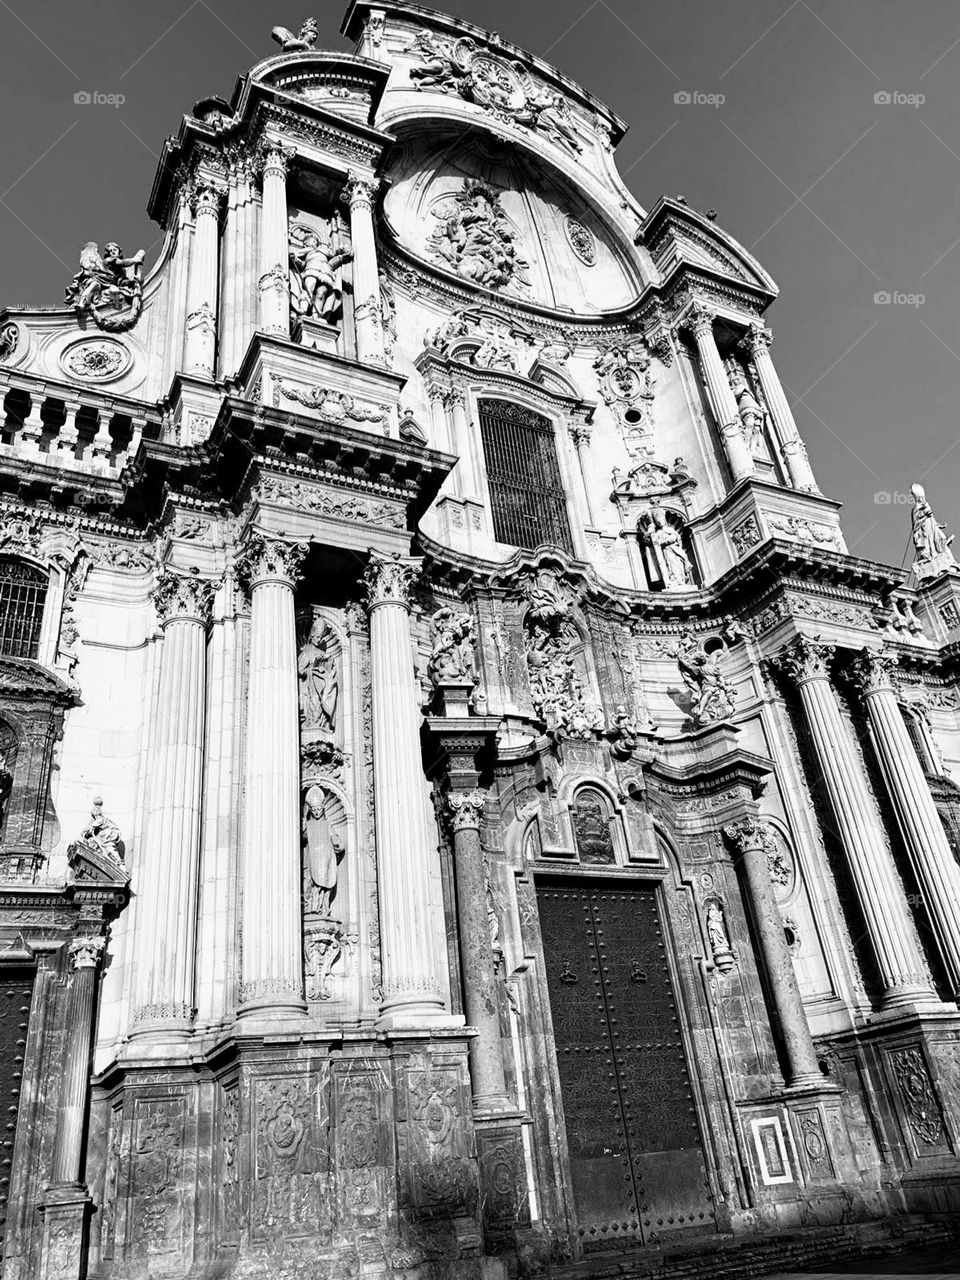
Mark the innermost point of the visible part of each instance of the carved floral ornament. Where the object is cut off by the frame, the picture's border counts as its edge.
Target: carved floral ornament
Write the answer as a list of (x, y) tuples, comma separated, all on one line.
[(750, 833), (182, 597), (872, 671), (266, 559)]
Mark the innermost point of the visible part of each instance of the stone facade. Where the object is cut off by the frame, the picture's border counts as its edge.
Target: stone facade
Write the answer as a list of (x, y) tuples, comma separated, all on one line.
[(464, 810)]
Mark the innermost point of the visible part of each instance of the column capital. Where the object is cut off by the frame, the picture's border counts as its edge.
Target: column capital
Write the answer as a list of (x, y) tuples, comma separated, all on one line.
[(464, 809), (580, 433), (757, 338), (182, 597), (359, 189), (700, 318), (265, 559), (389, 579), (274, 157), (871, 671), (805, 658), (750, 833), (85, 952), (206, 198)]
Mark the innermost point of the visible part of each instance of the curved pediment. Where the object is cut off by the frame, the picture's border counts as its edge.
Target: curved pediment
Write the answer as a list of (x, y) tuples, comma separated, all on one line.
[(21, 678), (502, 220)]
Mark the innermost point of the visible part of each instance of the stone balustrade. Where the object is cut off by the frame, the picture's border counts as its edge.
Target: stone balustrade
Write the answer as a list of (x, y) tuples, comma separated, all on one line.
[(61, 426)]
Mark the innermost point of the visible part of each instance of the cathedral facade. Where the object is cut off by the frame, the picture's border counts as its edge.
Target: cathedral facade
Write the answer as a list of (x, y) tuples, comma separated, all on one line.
[(464, 810)]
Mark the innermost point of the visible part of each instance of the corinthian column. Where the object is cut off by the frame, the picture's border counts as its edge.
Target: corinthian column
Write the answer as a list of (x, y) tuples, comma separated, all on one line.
[(481, 1004), (757, 343), (200, 350), (411, 988), (271, 969), (751, 839), (274, 283), (937, 873), (721, 398), (359, 194), (903, 974), (170, 850), (66, 1204)]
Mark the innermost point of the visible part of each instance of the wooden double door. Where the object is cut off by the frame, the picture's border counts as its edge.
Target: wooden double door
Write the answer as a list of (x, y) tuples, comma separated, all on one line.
[(633, 1136)]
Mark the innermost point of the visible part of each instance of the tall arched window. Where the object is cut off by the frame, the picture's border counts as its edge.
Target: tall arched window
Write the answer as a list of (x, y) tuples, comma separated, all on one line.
[(23, 591), (523, 475)]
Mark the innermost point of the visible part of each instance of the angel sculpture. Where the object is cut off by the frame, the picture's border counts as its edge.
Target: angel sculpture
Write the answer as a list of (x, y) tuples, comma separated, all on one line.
[(439, 68), (289, 43), (452, 658), (108, 287), (712, 696)]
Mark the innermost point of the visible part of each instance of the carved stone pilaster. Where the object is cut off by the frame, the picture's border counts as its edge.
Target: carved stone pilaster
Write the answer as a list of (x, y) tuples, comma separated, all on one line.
[(265, 559), (183, 597)]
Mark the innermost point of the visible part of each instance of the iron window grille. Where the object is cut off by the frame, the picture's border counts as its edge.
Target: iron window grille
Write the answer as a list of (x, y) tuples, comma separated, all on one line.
[(526, 490), (23, 592)]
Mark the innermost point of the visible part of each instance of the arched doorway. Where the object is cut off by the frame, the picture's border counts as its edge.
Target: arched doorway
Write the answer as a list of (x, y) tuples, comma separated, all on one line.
[(636, 1154)]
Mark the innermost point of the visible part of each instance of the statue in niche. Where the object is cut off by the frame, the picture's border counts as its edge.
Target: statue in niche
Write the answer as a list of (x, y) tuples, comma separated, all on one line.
[(475, 239), (669, 562), (316, 278), (108, 287), (319, 679), (748, 407), (930, 538), (591, 828), (6, 786), (323, 852), (717, 936), (452, 658), (103, 833), (712, 695)]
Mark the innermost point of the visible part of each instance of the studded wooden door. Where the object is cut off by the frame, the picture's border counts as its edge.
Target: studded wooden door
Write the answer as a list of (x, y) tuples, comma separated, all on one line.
[(634, 1142), (16, 991)]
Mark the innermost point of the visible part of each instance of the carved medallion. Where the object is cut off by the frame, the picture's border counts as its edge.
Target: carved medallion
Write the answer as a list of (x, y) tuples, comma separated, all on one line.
[(96, 360), (581, 240)]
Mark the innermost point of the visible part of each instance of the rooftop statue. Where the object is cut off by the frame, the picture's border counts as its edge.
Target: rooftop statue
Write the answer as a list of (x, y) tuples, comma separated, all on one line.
[(931, 542), (108, 287), (289, 43)]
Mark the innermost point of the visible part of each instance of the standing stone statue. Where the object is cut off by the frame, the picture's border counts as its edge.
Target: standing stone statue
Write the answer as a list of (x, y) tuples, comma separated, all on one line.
[(323, 852), (930, 540), (316, 278), (669, 562), (319, 680)]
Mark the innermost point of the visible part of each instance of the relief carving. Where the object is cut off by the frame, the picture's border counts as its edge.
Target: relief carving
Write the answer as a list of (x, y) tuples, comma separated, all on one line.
[(107, 288), (475, 239), (712, 696), (919, 1100)]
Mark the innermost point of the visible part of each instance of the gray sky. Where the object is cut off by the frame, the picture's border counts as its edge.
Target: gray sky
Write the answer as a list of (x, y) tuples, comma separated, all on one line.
[(839, 196)]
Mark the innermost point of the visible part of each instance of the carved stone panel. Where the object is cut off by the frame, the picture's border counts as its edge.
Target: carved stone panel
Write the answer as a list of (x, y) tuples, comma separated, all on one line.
[(290, 1160), (363, 1148)]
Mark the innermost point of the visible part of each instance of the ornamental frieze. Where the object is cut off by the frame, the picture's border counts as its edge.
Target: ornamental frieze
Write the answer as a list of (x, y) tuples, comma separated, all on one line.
[(336, 504)]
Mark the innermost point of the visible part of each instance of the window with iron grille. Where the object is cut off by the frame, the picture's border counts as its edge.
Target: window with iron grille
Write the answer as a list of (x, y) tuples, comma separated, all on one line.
[(23, 590), (526, 491)]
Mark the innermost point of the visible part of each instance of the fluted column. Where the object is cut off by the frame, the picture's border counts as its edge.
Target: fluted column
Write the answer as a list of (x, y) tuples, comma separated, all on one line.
[(903, 974), (237, 318), (757, 343), (580, 435), (481, 1003), (359, 193), (723, 405), (84, 954), (170, 849), (271, 969), (751, 840), (201, 324), (274, 283), (411, 987), (938, 875)]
